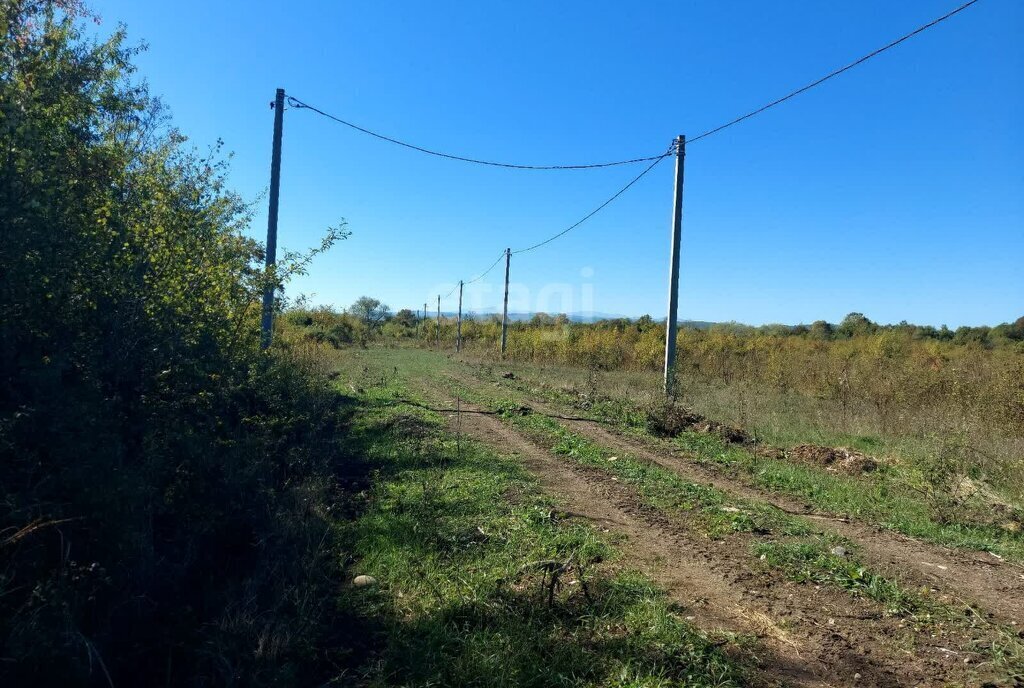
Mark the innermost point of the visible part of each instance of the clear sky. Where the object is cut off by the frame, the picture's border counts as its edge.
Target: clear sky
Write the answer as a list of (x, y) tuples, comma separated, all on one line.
[(896, 189)]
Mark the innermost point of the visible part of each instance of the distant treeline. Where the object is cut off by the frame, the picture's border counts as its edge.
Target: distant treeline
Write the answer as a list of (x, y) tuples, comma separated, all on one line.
[(369, 318), (970, 380)]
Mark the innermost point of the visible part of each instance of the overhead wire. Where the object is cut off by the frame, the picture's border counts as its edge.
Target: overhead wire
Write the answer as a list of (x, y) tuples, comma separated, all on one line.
[(601, 207), (298, 104), (654, 159), (754, 113), (833, 74), (579, 222), (484, 273)]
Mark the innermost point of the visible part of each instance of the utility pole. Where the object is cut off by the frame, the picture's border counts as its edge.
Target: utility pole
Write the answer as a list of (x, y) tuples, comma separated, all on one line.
[(673, 268), (426, 332), (438, 322), (458, 327), (267, 324), (417, 323), (504, 308)]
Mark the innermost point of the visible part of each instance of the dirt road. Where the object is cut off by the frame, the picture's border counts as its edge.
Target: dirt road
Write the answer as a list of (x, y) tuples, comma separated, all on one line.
[(808, 635)]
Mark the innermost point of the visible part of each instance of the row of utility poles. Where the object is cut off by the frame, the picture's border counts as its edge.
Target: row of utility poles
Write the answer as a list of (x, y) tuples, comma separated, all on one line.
[(267, 324)]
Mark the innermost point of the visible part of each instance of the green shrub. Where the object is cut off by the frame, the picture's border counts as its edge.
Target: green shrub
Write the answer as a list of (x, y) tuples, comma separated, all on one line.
[(162, 480)]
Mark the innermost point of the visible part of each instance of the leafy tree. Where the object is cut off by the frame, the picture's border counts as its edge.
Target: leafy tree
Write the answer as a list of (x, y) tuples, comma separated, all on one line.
[(542, 320), (370, 311), (406, 318), (821, 330), (856, 324), (153, 460)]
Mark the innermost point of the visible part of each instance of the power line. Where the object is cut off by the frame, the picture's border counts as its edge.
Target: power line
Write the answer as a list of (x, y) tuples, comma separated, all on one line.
[(576, 224), (484, 273), (298, 104), (601, 207), (836, 73)]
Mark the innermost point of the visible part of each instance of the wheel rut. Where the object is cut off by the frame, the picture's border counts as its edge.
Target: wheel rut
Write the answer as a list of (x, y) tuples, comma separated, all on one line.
[(808, 635), (980, 579)]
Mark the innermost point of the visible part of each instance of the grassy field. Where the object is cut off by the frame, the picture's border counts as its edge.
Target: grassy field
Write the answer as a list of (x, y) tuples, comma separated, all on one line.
[(462, 545), (926, 499), (441, 526)]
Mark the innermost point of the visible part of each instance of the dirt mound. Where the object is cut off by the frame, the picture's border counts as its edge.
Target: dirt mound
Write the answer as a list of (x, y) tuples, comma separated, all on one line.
[(671, 421), (839, 459), (407, 426), (995, 510)]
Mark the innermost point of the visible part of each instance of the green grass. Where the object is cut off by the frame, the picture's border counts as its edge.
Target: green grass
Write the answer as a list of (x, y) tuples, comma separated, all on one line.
[(783, 542), (883, 498), (453, 532), (712, 510), (813, 562), (897, 497), (789, 546), (807, 561)]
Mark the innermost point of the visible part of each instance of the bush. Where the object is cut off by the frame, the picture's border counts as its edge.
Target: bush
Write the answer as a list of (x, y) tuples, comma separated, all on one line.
[(163, 482)]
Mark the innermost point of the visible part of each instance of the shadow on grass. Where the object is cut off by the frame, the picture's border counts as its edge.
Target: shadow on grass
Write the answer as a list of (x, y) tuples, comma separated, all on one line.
[(461, 597)]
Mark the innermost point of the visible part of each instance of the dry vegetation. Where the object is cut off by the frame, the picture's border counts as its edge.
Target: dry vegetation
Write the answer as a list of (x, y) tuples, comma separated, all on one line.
[(951, 401)]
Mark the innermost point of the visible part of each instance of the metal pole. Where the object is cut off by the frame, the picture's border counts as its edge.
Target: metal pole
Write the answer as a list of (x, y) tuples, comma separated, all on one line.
[(267, 324), (504, 308), (439, 321), (458, 330), (673, 269)]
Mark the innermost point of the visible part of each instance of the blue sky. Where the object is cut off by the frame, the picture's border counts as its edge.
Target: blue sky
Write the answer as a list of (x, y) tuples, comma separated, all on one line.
[(896, 189)]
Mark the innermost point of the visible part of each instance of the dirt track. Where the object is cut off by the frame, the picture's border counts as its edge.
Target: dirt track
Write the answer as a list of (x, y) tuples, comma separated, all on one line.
[(810, 636), (978, 578)]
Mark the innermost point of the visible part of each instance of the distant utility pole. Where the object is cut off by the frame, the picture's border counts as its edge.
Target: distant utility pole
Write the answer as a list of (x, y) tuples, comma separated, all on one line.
[(417, 323), (458, 327), (267, 324), (504, 308), (673, 269), (438, 322), (426, 332)]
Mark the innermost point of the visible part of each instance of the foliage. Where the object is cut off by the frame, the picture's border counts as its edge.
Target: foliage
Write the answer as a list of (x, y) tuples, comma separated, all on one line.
[(890, 379), (370, 311), (162, 480)]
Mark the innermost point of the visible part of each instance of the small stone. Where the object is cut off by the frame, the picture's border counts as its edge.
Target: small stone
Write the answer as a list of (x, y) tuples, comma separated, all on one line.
[(856, 677), (839, 551), (364, 581)]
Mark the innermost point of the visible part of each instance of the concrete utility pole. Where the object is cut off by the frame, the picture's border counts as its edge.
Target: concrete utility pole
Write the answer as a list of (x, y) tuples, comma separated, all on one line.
[(458, 327), (267, 324), (504, 308), (673, 269), (438, 322)]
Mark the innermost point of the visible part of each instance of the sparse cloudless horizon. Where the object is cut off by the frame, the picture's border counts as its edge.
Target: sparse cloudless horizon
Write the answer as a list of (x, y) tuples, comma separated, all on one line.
[(895, 189)]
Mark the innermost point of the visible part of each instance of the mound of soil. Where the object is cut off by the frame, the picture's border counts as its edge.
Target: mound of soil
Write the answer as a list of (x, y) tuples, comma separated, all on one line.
[(839, 459), (407, 426), (996, 511), (674, 420)]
